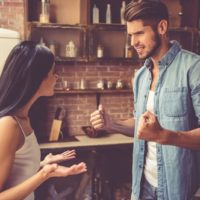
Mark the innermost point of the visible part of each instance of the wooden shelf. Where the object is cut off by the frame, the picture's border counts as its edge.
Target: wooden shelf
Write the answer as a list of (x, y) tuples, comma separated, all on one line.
[(56, 25), (94, 91), (108, 27), (100, 26), (91, 59), (70, 60), (183, 29)]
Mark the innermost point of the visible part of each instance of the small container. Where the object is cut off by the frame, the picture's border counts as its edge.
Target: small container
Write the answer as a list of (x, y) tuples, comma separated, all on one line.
[(42, 42), (71, 49), (52, 47), (109, 85), (128, 51), (95, 14), (65, 85), (122, 10), (44, 16), (108, 14), (119, 84), (82, 84), (100, 85), (99, 51)]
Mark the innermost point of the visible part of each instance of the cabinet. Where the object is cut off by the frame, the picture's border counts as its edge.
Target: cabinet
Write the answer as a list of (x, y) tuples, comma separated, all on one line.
[(80, 30), (60, 35), (72, 20), (107, 158)]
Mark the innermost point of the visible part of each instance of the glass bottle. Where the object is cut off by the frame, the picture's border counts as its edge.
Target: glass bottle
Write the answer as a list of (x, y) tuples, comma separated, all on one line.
[(108, 14), (44, 16), (99, 51), (122, 10), (95, 13)]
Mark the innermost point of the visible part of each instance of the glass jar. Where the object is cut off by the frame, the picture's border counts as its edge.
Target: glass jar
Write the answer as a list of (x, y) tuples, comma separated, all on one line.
[(99, 51), (44, 15)]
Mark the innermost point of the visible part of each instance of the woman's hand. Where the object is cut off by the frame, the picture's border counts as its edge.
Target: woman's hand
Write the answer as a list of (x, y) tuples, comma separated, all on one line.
[(54, 170), (50, 158)]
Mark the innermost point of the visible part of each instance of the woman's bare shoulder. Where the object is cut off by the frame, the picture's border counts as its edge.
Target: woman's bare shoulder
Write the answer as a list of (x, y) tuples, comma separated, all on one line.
[(8, 121), (8, 128)]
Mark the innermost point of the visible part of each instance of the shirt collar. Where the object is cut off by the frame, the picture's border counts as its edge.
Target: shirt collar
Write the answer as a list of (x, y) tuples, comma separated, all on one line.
[(167, 59)]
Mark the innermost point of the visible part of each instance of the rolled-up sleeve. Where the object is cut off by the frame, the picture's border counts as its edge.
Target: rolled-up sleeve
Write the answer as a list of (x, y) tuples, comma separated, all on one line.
[(194, 81)]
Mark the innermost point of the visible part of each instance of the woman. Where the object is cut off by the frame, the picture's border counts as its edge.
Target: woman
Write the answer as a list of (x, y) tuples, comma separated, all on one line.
[(27, 75)]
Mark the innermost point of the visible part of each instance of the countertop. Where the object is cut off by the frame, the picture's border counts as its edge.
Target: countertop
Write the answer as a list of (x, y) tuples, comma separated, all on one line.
[(85, 141)]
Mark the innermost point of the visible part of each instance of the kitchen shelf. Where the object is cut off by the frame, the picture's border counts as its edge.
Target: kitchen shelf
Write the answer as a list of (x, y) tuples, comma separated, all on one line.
[(94, 91), (70, 60), (88, 37), (56, 25), (107, 27)]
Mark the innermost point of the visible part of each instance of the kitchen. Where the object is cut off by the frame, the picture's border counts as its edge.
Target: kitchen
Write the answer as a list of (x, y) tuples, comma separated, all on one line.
[(84, 76)]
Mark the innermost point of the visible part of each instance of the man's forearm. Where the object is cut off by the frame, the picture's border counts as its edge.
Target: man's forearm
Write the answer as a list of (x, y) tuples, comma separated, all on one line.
[(125, 127), (186, 139)]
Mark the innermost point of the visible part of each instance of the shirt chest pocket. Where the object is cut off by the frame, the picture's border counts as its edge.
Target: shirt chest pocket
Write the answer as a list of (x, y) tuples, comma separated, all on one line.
[(175, 103)]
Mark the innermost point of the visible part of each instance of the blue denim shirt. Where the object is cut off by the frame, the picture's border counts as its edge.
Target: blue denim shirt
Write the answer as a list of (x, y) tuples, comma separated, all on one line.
[(177, 107)]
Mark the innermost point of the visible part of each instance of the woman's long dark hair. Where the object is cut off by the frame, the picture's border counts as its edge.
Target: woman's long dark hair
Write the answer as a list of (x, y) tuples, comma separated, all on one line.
[(25, 68)]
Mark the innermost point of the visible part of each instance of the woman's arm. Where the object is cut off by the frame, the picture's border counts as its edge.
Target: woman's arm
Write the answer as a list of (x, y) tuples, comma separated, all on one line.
[(11, 139), (22, 190)]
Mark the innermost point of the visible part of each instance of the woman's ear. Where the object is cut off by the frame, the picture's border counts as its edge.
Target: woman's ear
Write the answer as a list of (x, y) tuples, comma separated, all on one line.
[(162, 27)]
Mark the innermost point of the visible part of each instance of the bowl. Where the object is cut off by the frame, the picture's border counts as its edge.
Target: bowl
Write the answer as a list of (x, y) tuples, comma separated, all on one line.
[(93, 133)]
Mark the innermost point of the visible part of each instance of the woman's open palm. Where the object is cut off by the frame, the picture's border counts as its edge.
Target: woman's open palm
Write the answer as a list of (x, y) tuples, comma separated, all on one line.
[(66, 155)]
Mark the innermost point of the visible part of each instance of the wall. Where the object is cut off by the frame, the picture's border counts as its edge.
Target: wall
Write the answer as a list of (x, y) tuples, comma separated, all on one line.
[(12, 15), (78, 106)]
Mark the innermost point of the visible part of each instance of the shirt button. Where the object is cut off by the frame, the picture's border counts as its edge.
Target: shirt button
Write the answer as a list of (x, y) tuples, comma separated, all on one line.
[(140, 166)]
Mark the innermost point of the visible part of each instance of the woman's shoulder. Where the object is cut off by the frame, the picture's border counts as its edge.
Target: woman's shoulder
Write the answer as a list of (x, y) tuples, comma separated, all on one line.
[(8, 121), (9, 132), (8, 125)]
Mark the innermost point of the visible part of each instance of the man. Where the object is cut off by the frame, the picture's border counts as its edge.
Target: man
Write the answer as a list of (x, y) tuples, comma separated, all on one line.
[(166, 86)]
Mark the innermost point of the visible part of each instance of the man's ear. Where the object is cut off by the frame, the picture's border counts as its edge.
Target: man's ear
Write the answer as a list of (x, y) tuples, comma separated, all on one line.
[(162, 27)]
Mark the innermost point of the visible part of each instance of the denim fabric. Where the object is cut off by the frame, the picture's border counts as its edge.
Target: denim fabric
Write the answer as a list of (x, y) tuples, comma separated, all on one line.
[(148, 192), (177, 107)]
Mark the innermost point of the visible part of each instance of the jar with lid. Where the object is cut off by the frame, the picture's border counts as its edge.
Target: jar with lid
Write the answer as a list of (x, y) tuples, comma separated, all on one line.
[(71, 49)]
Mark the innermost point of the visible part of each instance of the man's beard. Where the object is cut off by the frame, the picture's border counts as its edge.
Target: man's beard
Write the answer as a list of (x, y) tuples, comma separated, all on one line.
[(154, 49)]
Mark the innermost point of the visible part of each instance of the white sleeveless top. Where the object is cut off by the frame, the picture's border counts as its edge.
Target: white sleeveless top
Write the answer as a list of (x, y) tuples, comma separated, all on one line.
[(150, 168), (26, 162)]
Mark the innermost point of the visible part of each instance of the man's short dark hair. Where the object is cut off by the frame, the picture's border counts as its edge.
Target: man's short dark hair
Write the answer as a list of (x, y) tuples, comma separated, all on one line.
[(146, 10)]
